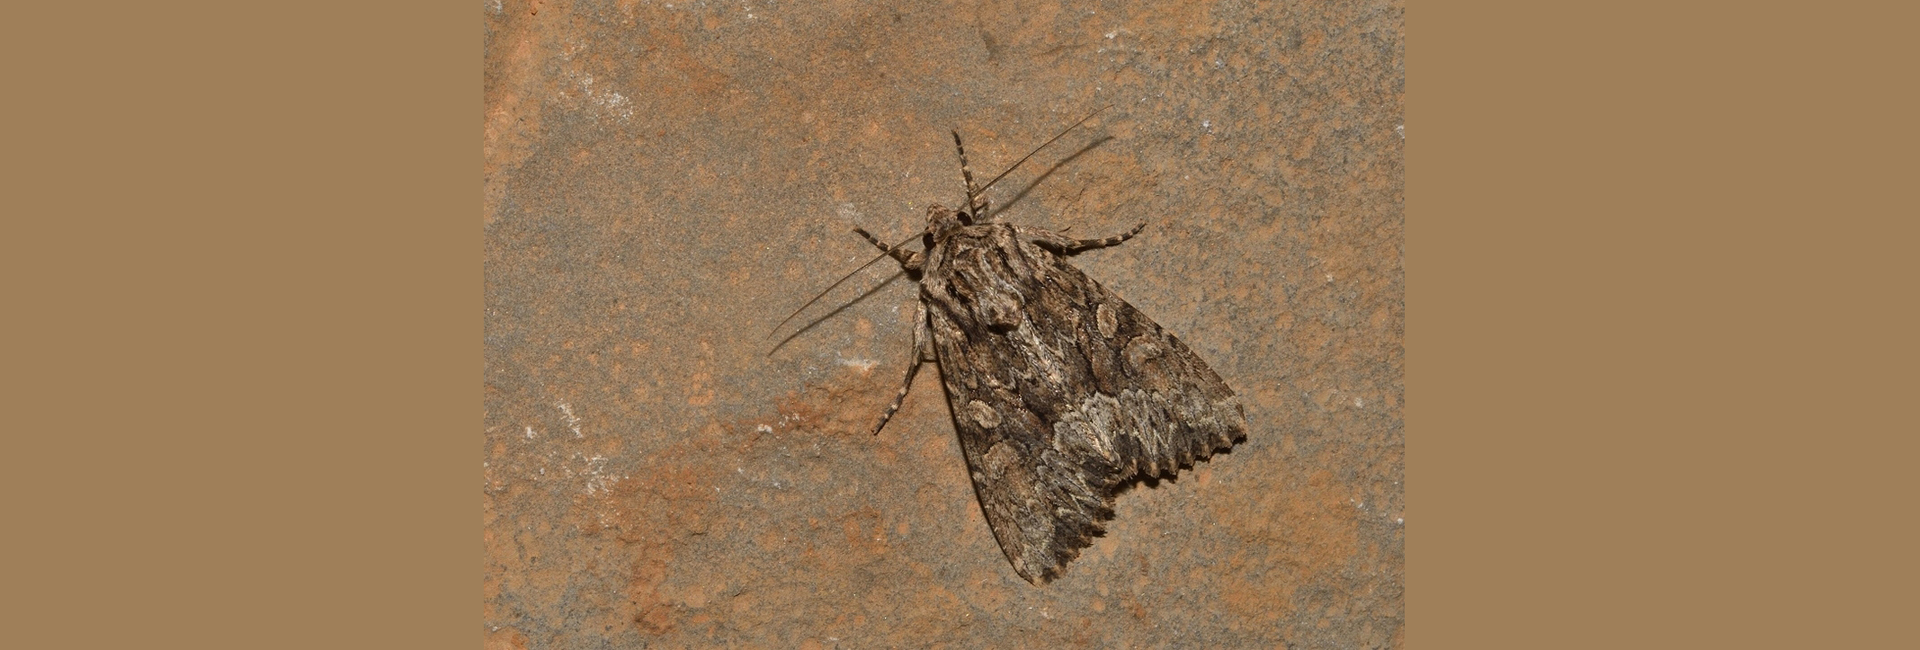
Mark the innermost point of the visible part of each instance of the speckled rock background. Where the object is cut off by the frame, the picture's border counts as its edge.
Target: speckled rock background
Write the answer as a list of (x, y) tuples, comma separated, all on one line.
[(665, 181)]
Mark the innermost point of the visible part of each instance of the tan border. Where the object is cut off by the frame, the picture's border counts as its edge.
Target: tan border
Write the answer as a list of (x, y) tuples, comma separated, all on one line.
[(242, 261), (1659, 329), (1659, 325)]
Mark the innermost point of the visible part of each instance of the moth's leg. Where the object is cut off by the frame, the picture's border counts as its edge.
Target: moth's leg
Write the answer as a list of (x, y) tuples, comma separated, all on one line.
[(911, 261), (977, 205), (922, 349), (1064, 244)]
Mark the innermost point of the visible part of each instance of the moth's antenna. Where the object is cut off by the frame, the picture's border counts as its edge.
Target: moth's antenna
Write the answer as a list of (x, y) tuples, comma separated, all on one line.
[(974, 208), (836, 284), (972, 193), (1016, 165)]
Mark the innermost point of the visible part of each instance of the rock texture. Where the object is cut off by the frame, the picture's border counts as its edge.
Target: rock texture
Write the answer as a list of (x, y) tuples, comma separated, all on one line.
[(664, 182)]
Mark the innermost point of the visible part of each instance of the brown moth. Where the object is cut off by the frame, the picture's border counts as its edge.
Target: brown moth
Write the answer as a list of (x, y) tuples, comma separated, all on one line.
[(1061, 391)]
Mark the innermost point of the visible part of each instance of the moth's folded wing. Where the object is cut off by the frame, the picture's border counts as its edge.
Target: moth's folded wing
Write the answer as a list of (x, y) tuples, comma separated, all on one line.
[(1152, 405), (1085, 393), (1042, 506), (1043, 503)]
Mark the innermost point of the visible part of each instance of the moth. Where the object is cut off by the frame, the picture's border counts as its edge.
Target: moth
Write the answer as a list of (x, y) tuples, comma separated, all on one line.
[(1061, 391)]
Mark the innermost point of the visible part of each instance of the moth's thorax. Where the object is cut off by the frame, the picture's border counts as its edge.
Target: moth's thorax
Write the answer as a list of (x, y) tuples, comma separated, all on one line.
[(941, 222), (951, 235), (978, 275), (942, 225)]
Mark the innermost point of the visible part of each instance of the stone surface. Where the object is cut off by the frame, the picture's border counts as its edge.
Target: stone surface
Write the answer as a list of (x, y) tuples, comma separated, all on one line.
[(664, 182)]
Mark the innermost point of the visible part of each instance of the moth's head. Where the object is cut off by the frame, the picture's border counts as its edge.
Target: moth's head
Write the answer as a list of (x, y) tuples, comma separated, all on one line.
[(942, 221)]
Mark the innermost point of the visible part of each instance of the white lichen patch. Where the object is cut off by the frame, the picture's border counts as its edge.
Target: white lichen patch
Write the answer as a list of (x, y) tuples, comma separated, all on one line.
[(865, 365)]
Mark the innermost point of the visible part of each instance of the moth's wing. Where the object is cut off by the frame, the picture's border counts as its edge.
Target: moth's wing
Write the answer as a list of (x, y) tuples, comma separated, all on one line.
[(1058, 406)]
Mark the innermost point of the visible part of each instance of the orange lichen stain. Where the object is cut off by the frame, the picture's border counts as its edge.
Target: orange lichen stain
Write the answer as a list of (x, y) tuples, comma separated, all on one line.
[(663, 503), (1303, 534), (699, 393), (770, 539), (927, 612), (506, 638), (743, 603), (1103, 548), (518, 558), (695, 590), (1303, 148), (866, 533), (653, 615), (820, 409), (510, 105)]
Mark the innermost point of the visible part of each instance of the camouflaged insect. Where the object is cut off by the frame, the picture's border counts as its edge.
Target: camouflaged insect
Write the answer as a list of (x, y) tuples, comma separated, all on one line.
[(1061, 391)]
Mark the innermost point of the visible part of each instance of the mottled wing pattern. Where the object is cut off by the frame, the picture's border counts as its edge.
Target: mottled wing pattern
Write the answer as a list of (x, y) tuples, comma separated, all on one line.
[(1060, 392)]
